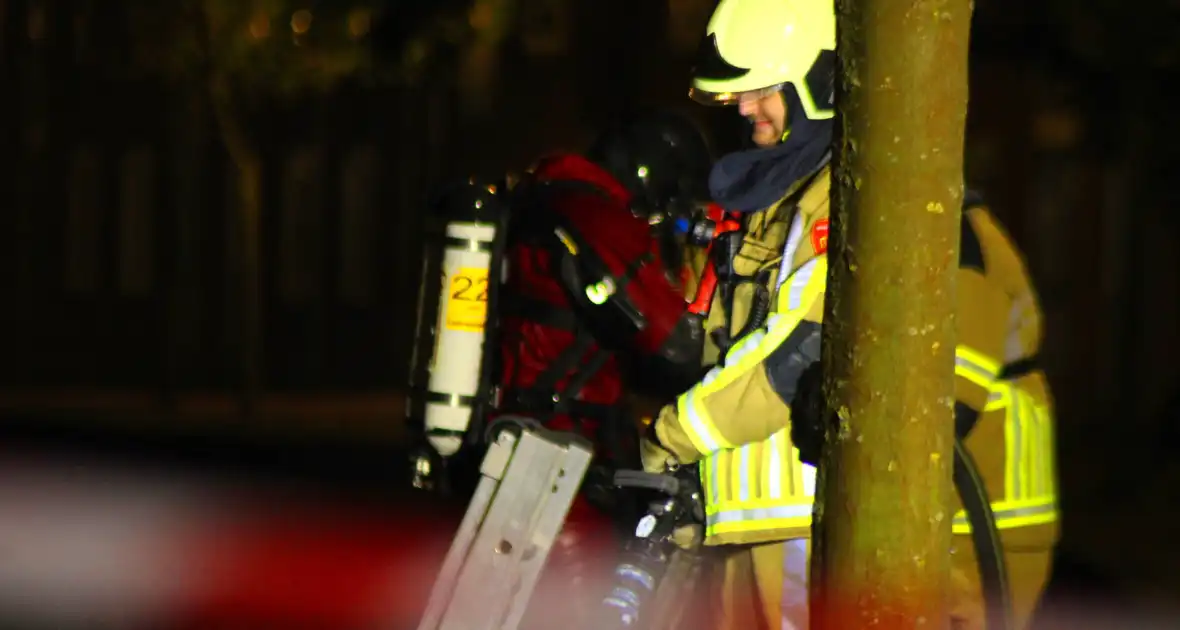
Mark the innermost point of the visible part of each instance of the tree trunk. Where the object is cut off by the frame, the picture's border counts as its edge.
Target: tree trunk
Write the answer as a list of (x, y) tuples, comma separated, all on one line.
[(248, 274), (883, 528)]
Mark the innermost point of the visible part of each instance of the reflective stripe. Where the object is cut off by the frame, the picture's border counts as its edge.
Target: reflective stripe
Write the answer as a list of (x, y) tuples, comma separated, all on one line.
[(709, 475), (749, 495), (763, 486), (798, 284), (794, 237), (744, 473), (805, 286), (995, 400), (976, 367), (1012, 515), (1030, 477), (809, 473), (754, 473), (1012, 450), (776, 465), (748, 344), (736, 476), (704, 437), (747, 519)]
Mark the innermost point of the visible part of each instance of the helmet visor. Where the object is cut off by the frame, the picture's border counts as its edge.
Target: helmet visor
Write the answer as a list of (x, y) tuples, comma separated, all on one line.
[(731, 98)]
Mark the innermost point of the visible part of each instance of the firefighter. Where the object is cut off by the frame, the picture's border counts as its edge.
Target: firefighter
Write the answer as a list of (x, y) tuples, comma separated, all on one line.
[(593, 288), (775, 61)]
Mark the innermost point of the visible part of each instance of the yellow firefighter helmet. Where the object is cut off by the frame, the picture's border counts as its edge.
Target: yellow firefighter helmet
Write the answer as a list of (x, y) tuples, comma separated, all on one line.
[(753, 47)]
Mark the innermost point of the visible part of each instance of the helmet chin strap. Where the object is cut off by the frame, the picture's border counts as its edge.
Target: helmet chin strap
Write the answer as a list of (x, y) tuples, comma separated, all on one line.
[(786, 114)]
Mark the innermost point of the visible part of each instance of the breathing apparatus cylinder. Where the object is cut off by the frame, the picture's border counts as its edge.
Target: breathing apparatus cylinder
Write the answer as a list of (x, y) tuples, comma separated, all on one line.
[(464, 246)]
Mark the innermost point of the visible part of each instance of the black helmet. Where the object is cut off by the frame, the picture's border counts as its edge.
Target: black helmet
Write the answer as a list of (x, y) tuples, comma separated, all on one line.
[(661, 157)]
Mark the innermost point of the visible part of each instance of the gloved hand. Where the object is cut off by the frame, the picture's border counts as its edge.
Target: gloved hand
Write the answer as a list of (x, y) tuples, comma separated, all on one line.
[(658, 460), (688, 537), (809, 416)]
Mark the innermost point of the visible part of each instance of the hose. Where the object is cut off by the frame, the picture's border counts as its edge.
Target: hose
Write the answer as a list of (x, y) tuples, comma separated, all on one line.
[(985, 537)]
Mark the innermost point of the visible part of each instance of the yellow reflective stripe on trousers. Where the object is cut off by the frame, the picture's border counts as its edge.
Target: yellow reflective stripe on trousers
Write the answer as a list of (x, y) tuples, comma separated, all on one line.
[(804, 287), (1030, 479), (762, 486)]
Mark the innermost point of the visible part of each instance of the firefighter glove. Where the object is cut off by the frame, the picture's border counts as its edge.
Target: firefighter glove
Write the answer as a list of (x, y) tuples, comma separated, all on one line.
[(656, 459), (688, 537), (809, 415)]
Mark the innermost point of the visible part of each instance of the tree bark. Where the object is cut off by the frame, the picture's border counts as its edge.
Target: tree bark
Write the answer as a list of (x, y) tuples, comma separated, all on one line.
[(248, 274), (883, 521)]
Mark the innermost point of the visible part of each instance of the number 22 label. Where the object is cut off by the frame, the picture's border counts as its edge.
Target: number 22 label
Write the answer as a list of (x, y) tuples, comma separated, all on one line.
[(467, 299)]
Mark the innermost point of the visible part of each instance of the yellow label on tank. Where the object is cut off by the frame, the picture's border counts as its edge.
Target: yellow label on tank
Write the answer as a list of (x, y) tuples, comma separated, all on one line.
[(467, 300)]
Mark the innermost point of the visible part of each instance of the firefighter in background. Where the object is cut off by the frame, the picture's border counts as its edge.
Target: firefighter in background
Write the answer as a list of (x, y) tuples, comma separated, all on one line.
[(593, 305), (775, 61)]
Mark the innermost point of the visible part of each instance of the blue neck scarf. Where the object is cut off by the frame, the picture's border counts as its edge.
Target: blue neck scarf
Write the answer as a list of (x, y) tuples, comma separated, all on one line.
[(755, 179)]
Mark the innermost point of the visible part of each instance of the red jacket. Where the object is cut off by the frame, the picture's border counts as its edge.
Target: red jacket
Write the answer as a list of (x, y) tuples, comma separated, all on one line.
[(601, 215)]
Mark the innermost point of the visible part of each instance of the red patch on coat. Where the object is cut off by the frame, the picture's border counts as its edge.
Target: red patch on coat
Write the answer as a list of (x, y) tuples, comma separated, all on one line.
[(819, 237)]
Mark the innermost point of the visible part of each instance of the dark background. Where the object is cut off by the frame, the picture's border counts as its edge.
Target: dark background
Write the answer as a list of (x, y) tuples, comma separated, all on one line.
[(122, 242)]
